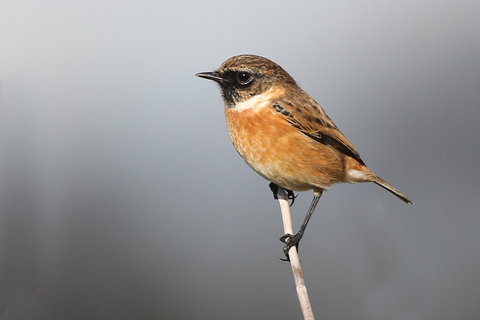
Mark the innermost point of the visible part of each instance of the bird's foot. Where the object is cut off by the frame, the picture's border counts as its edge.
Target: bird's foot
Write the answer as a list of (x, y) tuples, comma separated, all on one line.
[(290, 194), (290, 241)]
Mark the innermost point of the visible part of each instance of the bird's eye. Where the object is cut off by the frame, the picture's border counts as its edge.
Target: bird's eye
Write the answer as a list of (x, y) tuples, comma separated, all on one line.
[(244, 78)]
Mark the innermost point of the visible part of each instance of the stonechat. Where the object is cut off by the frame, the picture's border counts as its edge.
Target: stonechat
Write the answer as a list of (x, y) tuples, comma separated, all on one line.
[(284, 135)]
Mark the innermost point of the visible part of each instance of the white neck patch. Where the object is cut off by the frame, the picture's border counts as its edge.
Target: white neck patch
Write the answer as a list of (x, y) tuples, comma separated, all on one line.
[(255, 102)]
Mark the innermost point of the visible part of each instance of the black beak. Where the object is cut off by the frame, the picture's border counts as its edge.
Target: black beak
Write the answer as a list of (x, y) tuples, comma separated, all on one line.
[(211, 76)]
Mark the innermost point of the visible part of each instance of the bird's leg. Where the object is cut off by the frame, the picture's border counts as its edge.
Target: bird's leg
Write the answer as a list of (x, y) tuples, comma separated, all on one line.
[(290, 194), (294, 240)]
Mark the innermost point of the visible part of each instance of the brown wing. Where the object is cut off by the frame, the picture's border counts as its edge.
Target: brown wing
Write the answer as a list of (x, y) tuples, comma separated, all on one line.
[(310, 119)]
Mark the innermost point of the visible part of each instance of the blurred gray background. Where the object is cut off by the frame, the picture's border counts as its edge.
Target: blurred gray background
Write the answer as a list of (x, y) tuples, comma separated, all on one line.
[(121, 196)]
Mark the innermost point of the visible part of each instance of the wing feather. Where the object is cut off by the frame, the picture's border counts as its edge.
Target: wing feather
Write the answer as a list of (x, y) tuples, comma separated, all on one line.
[(311, 120)]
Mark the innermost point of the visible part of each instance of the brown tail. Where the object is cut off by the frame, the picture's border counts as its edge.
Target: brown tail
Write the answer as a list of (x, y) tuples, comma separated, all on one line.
[(392, 190)]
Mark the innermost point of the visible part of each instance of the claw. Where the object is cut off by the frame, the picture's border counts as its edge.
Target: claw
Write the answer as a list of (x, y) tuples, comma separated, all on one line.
[(290, 241), (290, 194)]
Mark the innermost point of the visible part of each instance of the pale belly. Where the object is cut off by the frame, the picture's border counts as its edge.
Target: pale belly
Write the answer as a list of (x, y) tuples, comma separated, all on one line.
[(281, 154)]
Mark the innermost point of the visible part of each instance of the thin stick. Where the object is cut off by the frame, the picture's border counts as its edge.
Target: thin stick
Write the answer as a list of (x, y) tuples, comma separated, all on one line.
[(293, 255)]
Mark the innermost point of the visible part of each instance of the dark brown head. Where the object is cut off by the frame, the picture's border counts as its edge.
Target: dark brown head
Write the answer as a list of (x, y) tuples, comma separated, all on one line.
[(244, 76)]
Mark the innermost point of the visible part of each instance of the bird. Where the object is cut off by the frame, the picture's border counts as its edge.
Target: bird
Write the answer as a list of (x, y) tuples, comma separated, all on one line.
[(284, 135)]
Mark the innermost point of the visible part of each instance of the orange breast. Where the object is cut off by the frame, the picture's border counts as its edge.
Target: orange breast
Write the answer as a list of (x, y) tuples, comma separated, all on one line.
[(280, 153)]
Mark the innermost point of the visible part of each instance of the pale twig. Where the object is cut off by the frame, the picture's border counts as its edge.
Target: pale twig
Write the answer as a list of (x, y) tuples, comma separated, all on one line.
[(293, 255)]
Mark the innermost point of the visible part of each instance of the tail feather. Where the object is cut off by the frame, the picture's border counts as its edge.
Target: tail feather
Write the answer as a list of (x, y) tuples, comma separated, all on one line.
[(392, 190)]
